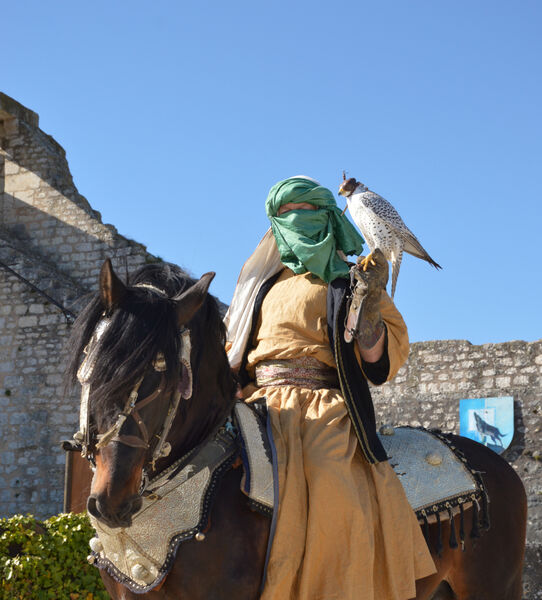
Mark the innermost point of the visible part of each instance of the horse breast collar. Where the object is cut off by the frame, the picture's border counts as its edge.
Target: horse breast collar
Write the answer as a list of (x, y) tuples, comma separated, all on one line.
[(178, 502)]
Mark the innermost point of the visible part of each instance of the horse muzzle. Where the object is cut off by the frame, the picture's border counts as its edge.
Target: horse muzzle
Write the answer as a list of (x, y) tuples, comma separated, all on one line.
[(121, 516)]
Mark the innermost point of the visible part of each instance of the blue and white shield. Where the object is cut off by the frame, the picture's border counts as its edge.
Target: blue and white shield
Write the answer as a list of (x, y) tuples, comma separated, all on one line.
[(489, 421)]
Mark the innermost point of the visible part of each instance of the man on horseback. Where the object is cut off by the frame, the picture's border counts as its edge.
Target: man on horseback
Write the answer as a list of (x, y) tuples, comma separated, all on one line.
[(150, 356), (345, 528)]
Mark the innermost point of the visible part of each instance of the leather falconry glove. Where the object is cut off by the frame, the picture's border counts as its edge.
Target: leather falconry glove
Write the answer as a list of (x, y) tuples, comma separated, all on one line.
[(364, 321)]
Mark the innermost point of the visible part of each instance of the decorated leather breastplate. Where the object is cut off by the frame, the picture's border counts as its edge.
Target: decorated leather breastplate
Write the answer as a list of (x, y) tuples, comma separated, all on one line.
[(179, 500)]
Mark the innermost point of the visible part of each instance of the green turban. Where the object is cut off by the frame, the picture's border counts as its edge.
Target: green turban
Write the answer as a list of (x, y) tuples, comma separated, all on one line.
[(308, 240)]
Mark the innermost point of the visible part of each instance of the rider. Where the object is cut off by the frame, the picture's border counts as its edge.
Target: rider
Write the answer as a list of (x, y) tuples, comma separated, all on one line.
[(345, 529)]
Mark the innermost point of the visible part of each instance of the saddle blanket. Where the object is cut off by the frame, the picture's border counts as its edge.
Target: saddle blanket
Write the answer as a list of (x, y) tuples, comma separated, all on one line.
[(435, 476)]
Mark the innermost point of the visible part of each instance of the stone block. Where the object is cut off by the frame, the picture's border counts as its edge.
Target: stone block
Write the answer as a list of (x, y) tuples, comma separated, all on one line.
[(11, 128), (29, 321), (8, 458), (11, 168), (54, 379), (50, 319), (36, 309), (23, 181)]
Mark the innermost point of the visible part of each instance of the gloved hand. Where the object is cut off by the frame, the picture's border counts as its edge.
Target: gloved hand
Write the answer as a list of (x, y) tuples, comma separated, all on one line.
[(368, 286)]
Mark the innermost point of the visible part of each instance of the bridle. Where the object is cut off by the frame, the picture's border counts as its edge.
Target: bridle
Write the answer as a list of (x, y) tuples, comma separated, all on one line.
[(160, 448)]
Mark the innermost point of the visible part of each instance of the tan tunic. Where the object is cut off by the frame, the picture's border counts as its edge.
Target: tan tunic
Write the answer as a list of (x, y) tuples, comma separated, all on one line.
[(345, 529)]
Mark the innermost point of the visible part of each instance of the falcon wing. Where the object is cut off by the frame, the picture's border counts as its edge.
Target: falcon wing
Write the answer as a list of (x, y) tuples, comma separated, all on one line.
[(385, 211)]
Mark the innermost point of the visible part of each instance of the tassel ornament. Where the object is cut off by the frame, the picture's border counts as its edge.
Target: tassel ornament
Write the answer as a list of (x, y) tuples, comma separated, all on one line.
[(453, 538), (475, 531), (462, 526)]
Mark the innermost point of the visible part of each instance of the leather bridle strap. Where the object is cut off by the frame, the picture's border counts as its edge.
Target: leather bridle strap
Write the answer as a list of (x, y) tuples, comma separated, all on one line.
[(132, 440), (132, 408)]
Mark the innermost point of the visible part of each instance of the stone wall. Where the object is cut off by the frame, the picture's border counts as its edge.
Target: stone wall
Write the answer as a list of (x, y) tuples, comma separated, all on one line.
[(50, 241), (427, 390)]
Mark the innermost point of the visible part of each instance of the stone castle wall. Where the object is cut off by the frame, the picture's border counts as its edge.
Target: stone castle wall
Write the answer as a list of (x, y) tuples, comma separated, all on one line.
[(52, 240), (50, 237)]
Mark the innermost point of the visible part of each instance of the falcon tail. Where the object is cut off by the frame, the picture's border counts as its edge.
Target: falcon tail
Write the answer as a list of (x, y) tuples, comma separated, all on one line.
[(412, 246), (395, 266)]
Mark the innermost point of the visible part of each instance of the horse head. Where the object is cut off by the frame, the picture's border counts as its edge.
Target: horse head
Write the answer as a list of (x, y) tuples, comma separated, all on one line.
[(155, 379)]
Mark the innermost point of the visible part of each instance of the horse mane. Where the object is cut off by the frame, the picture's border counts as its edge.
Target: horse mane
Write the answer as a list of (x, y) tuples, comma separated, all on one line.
[(140, 328)]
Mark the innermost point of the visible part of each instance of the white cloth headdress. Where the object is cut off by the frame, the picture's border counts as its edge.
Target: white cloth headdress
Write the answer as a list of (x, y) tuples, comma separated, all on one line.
[(262, 264)]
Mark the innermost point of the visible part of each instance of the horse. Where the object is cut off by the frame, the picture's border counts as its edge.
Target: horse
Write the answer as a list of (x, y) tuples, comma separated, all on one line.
[(144, 318)]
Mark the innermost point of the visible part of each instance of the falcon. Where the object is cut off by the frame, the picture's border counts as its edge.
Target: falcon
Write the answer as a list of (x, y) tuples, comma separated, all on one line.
[(382, 227)]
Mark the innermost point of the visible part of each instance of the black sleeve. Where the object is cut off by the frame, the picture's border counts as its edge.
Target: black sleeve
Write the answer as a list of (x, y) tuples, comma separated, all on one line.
[(352, 377), (377, 372)]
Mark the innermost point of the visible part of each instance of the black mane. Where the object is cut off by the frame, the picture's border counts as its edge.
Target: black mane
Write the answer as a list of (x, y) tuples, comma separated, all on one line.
[(142, 326)]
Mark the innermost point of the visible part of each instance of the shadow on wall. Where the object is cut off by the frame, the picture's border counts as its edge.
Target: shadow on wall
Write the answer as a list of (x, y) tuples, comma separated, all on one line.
[(61, 259), (517, 445)]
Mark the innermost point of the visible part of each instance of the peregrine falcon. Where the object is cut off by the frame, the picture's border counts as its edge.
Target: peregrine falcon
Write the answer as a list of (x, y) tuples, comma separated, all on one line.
[(382, 227)]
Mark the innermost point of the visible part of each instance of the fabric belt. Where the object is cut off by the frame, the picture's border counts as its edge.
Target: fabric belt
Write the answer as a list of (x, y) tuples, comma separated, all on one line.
[(306, 372)]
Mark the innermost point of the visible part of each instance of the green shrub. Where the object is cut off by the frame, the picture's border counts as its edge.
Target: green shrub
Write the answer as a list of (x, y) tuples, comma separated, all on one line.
[(48, 560)]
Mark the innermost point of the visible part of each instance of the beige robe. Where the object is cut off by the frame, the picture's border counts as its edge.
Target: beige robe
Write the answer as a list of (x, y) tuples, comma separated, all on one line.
[(345, 529)]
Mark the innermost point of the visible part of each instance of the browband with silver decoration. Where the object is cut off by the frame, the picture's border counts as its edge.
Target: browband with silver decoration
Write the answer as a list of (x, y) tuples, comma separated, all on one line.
[(153, 288)]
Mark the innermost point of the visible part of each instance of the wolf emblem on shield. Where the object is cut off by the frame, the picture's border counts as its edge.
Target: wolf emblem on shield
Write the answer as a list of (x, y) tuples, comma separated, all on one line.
[(485, 429)]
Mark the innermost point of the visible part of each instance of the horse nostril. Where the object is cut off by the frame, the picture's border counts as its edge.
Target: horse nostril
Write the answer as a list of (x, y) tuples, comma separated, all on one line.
[(92, 507)]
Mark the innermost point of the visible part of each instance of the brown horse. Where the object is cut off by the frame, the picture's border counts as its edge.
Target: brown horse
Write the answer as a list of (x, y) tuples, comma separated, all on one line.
[(144, 319)]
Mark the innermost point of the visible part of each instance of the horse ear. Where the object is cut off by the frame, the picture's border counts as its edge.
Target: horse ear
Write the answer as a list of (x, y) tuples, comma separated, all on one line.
[(112, 290), (189, 302)]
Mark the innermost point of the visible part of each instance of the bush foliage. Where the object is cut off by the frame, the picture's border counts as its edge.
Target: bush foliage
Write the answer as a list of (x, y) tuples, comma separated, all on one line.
[(47, 560)]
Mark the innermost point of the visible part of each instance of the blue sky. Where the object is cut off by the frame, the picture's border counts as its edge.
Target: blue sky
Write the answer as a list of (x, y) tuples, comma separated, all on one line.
[(177, 117)]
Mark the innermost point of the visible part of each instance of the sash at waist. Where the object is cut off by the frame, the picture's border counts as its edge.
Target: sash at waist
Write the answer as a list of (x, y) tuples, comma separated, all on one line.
[(305, 372)]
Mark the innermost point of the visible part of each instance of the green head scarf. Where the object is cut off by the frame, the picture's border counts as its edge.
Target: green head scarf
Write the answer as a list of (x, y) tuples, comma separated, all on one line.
[(308, 240)]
